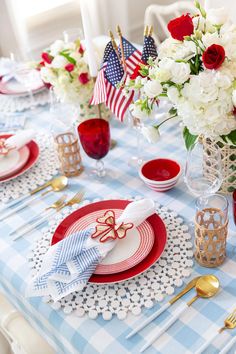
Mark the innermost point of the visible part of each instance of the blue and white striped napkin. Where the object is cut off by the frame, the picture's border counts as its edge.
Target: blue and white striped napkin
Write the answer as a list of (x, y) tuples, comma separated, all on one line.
[(68, 265)]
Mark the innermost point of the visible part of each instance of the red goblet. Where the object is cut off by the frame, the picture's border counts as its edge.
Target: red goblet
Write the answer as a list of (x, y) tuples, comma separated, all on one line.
[(94, 136)]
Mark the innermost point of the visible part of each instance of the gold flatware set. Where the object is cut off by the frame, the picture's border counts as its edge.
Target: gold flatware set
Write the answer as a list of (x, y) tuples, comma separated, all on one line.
[(57, 206), (206, 286), (56, 185)]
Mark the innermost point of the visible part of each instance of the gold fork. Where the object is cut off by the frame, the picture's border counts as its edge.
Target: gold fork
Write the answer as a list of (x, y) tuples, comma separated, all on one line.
[(76, 199), (58, 203), (229, 323)]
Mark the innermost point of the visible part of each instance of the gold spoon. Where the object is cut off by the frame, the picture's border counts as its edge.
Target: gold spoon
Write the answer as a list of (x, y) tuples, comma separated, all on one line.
[(57, 184), (34, 191), (206, 287)]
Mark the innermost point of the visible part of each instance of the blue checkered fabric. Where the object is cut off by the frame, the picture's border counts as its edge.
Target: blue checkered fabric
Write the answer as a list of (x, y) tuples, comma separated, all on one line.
[(70, 334)]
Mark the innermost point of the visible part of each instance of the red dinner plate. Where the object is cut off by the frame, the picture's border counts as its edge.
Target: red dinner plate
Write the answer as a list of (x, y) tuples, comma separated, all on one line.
[(33, 157), (155, 222)]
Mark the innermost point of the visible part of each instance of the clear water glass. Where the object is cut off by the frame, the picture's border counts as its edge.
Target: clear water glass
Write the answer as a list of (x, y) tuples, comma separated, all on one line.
[(215, 201), (203, 170)]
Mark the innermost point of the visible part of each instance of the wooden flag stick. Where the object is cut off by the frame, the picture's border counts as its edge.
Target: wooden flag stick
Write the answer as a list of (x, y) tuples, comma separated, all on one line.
[(145, 32), (113, 42), (118, 30), (150, 31)]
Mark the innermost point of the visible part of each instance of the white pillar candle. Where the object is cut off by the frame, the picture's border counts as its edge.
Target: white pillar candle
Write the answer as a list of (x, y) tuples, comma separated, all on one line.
[(88, 39)]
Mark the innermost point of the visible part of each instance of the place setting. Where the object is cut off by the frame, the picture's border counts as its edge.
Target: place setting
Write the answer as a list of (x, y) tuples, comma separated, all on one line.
[(27, 160), (21, 86), (95, 236), (139, 242)]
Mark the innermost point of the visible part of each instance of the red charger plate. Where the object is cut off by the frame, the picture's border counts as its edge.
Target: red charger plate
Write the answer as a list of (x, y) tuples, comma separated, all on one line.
[(155, 253), (33, 157)]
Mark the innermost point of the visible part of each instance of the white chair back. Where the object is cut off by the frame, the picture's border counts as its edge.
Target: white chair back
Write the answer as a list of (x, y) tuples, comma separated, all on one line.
[(160, 15)]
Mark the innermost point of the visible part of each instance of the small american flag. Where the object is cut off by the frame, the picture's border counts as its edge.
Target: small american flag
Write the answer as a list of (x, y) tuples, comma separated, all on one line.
[(149, 49), (132, 56), (114, 75), (99, 93)]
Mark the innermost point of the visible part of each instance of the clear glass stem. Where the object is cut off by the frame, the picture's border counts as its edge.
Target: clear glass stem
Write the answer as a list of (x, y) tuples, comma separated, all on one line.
[(31, 97), (139, 145), (137, 160), (100, 170)]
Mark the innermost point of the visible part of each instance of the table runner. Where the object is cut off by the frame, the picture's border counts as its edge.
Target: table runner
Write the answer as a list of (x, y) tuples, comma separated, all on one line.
[(69, 334)]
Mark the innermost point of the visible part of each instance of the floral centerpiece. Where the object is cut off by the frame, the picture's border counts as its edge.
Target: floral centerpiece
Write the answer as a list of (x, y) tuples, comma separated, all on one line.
[(64, 67), (196, 71)]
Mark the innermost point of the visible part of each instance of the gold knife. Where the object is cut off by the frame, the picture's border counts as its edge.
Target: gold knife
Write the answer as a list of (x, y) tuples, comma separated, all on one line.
[(143, 324), (18, 200)]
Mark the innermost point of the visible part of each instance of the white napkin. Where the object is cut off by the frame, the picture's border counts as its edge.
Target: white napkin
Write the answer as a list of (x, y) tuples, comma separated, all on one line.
[(68, 265), (137, 212), (20, 139)]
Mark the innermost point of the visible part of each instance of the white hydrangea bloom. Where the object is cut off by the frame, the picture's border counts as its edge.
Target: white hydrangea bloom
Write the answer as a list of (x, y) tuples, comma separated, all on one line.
[(180, 72), (153, 88)]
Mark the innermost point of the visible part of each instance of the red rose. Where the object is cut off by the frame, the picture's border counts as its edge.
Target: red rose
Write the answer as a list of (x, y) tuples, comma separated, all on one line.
[(136, 72), (180, 27), (47, 57), (213, 56), (83, 78), (81, 49), (69, 67)]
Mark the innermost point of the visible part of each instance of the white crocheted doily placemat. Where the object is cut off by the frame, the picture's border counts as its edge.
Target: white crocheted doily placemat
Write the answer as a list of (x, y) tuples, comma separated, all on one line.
[(10, 104), (45, 168), (134, 294)]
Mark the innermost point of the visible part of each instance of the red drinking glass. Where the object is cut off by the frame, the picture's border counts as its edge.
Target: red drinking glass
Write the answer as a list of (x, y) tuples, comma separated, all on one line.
[(234, 206), (94, 136)]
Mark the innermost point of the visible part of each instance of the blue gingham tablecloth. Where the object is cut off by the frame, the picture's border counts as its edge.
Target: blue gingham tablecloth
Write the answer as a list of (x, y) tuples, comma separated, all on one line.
[(70, 334)]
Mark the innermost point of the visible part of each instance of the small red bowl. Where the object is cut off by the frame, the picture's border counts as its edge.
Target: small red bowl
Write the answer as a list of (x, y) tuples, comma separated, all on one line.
[(160, 174)]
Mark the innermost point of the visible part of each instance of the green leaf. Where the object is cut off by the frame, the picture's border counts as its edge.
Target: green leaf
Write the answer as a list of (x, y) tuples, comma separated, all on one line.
[(231, 137), (70, 59), (189, 138), (173, 111), (144, 70)]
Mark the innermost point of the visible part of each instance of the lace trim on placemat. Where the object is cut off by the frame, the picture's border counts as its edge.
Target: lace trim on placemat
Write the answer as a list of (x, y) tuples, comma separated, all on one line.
[(131, 295), (11, 104)]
